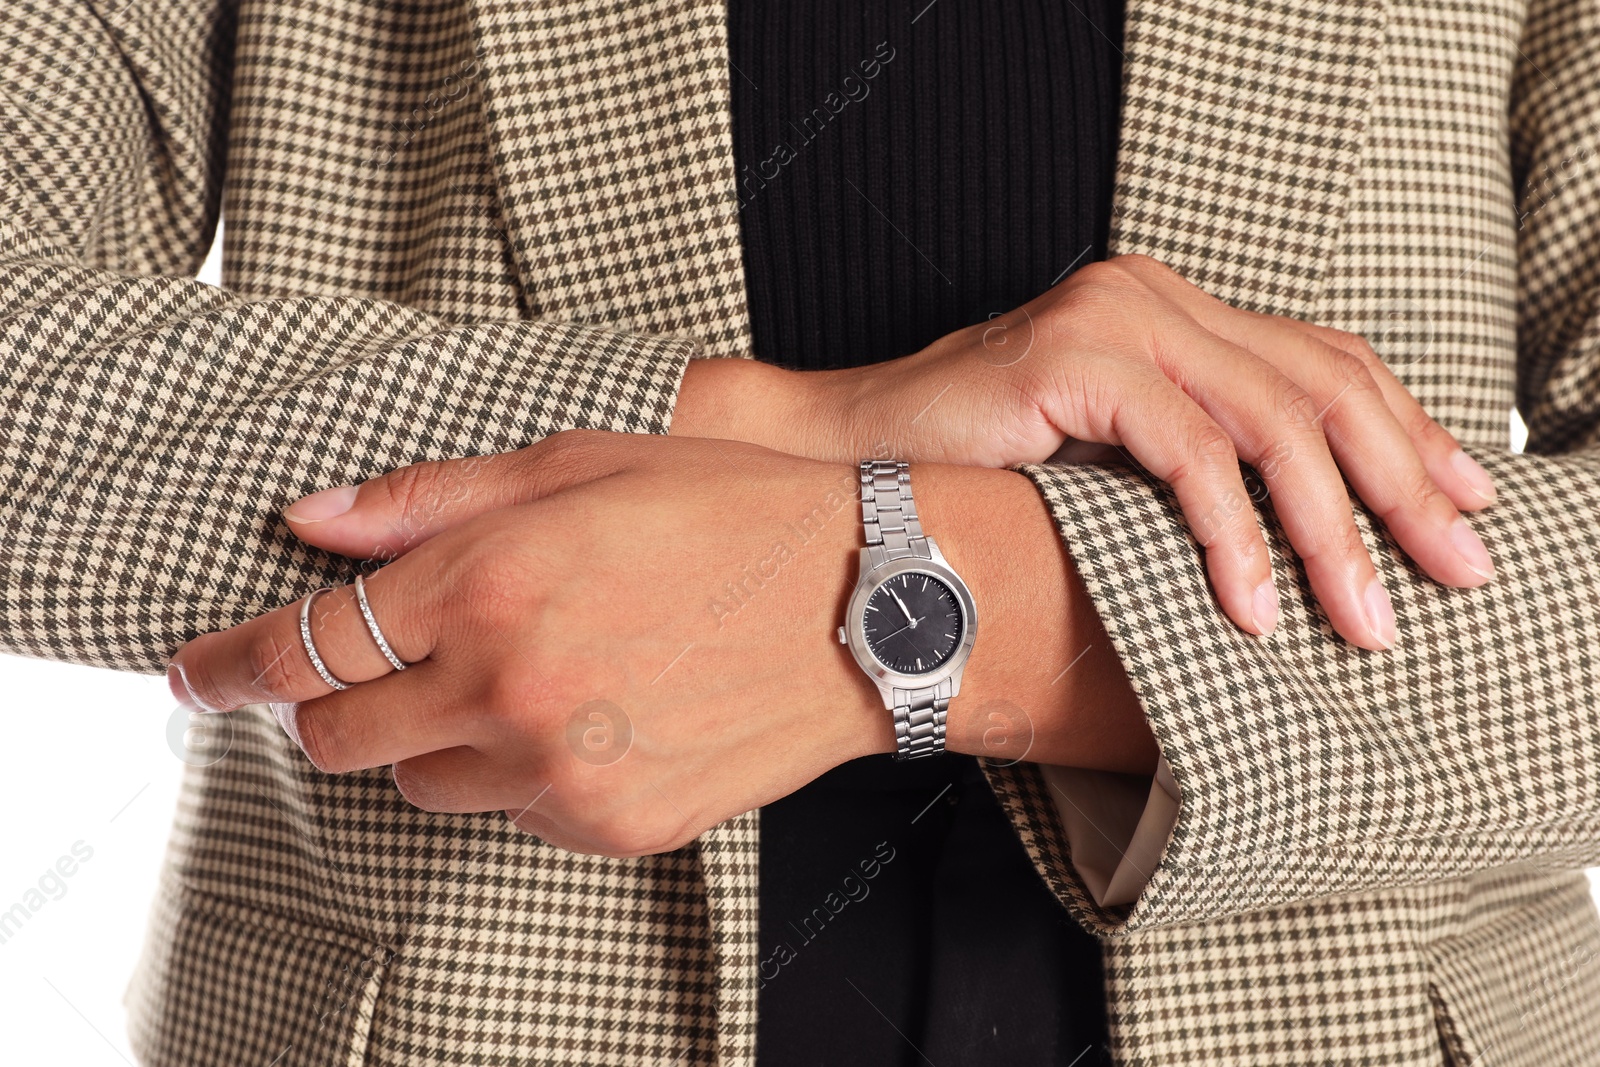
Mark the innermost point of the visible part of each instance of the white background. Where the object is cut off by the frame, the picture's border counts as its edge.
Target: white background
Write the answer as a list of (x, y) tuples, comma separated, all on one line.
[(88, 764)]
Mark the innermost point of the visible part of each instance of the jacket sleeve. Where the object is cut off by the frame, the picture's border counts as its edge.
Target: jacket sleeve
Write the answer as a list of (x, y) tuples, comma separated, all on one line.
[(151, 427), (1306, 767)]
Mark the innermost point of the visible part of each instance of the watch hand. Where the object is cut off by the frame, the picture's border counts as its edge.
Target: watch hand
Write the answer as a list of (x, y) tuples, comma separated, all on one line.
[(903, 610), (893, 633)]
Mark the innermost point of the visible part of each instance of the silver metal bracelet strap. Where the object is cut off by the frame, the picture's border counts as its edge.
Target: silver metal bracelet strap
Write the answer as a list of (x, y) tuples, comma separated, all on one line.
[(919, 722), (888, 513), (889, 516)]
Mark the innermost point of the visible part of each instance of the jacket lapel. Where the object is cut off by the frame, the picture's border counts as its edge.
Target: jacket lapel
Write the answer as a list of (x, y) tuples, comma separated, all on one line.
[(1242, 124), (610, 137)]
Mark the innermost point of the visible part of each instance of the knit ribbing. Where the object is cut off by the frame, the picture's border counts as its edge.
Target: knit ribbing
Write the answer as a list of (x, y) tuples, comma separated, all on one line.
[(900, 179)]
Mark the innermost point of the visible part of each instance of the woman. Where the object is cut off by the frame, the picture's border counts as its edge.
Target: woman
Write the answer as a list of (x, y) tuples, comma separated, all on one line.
[(455, 230)]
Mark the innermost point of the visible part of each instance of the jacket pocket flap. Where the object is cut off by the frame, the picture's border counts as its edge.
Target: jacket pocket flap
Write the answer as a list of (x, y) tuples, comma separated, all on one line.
[(223, 983)]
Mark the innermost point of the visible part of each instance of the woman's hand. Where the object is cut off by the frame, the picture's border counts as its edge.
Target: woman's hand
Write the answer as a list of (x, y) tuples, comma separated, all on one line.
[(622, 640), (1127, 353)]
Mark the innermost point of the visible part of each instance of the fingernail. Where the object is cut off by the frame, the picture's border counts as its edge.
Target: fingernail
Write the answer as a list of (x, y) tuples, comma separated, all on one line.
[(1264, 606), (1380, 613), (1470, 548), (1473, 474), (180, 692), (322, 505), (178, 683)]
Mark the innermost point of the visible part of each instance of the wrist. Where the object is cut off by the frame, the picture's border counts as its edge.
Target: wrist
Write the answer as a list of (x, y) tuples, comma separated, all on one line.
[(1043, 682), (803, 413), (843, 707)]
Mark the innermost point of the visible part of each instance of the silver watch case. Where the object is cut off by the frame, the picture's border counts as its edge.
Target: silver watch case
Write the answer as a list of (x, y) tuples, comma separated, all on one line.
[(875, 570)]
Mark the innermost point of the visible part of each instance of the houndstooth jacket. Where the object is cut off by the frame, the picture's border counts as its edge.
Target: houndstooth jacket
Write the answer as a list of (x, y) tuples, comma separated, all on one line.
[(455, 226)]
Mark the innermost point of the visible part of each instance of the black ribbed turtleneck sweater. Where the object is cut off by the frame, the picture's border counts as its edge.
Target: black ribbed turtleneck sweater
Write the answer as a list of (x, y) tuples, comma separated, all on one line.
[(900, 179), (906, 169)]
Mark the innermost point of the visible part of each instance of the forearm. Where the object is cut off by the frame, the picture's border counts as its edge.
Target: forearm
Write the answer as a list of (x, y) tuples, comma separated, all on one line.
[(163, 422), (1330, 761)]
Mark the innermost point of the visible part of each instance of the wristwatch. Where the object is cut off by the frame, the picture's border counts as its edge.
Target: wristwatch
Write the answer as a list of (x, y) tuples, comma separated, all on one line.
[(911, 622)]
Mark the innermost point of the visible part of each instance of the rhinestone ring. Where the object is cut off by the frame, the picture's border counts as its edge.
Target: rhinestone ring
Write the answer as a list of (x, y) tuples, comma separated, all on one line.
[(311, 646), (372, 627)]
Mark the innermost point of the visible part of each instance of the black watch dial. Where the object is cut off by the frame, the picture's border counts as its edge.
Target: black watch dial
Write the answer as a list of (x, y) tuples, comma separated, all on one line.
[(913, 623)]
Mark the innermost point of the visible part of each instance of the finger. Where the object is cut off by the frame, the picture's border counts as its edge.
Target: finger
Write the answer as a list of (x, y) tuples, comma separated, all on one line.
[(1460, 476), (1373, 450), (462, 780), (1384, 467), (465, 779), (1274, 426), (1175, 440), (389, 515), (265, 660), (385, 720)]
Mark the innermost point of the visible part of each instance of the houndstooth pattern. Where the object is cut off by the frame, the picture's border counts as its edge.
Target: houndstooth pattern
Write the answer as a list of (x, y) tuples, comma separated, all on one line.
[(1352, 877), (377, 316), (457, 226)]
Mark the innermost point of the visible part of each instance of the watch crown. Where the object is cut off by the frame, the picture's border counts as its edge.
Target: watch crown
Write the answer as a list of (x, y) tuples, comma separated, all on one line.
[(842, 640)]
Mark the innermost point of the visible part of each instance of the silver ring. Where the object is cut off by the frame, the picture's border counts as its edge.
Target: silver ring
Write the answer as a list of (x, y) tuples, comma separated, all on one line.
[(372, 627), (311, 646)]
